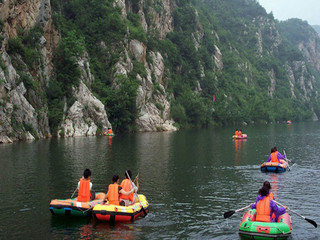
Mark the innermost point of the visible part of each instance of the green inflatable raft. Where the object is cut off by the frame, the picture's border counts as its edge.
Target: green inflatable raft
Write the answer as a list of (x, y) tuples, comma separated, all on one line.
[(251, 229)]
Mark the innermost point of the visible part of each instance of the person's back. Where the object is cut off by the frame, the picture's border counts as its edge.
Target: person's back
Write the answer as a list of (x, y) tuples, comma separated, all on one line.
[(114, 191), (126, 185), (113, 194), (265, 207), (274, 157), (236, 133), (84, 187)]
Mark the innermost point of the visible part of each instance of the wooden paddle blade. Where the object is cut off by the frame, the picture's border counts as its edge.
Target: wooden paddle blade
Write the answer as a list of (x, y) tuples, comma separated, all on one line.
[(312, 222), (228, 214)]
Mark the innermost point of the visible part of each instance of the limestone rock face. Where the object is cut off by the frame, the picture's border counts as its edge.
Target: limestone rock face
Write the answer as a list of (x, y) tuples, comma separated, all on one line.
[(19, 120), (23, 111), (311, 50), (152, 102), (85, 116)]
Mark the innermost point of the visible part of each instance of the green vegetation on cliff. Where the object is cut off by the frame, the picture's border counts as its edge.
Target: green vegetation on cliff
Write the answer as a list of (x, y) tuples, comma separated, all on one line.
[(252, 82)]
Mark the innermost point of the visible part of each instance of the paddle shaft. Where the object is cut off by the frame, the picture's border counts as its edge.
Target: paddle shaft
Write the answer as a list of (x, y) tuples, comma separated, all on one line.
[(307, 219), (289, 209), (230, 213), (74, 192), (241, 209), (286, 159)]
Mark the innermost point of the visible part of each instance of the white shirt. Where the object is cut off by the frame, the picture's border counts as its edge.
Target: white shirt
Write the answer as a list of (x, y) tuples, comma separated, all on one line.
[(79, 185)]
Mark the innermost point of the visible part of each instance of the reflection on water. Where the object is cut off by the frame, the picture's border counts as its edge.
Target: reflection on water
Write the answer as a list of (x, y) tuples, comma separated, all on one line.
[(274, 184), (190, 179), (238, 145)]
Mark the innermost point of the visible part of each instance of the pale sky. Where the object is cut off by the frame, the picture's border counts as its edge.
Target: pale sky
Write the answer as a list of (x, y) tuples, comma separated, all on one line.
[(308, 10)]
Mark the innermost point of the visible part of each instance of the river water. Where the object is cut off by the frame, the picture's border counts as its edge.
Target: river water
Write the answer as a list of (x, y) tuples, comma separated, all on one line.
[(190, 178)]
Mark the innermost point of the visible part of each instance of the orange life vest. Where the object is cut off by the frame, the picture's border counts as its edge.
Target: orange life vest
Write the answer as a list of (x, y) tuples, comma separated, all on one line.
[(274, 157), (109, 131), (84, 190), (236, 133), (113, 194), (240, 133), (271, 196), (126, 186), (263, 210)]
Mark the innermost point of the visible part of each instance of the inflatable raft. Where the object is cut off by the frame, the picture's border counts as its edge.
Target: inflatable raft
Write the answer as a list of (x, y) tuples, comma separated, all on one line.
[(114, 213), (108, 134), (71, 207), (273, 167), (250, 229), (243, 136)]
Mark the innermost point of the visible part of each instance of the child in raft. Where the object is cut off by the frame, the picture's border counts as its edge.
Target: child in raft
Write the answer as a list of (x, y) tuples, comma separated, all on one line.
[(127, 185), (266, 207), (85, 192), (114, 191)]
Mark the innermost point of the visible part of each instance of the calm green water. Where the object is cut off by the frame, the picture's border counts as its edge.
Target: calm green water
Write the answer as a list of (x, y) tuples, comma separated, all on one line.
[(190, 179)]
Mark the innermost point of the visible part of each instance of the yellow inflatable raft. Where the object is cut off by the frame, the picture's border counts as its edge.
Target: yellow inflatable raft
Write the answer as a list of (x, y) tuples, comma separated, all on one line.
[(114, 213)]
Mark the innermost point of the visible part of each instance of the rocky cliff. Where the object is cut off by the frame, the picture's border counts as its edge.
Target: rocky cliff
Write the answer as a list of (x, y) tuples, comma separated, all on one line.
[(23, 108), (75, 68)]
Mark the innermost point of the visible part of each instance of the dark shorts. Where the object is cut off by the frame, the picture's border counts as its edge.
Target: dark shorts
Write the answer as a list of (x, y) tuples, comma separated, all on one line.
[(93, 195)]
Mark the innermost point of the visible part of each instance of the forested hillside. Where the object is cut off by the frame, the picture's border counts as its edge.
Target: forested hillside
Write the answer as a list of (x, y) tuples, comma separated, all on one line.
[(152, 65)]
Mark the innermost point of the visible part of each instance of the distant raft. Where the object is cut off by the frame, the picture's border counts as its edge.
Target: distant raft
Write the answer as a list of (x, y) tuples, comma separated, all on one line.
[(273, 167), (242, 136), (115, 213), (108, 134), (71, 207), (251, 229)]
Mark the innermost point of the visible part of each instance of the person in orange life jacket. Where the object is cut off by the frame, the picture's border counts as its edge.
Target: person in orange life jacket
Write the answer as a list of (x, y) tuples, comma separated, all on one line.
[(265, 207), (109, 131), (85, 192), (277, 157), (240, 132), (127, 186), (114, 191), (236, 133), (268, 186)]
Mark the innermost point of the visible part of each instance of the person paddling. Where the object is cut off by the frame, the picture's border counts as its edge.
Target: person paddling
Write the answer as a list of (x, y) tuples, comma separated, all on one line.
[(240, 133), (127, 186), (276, 157), (236, 133), (109, 132), (265, 207), (85, 193), (114, 191)]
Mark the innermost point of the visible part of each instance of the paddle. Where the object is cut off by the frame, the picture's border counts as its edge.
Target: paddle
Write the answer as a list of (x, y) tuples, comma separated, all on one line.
[(74, 192), (287, 158), (144, 211), (307, 219), (230, 213)]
